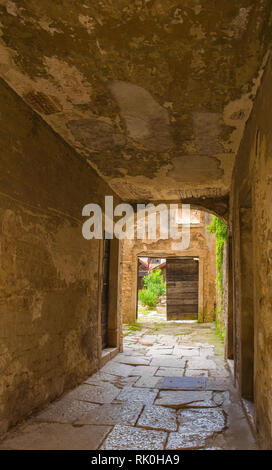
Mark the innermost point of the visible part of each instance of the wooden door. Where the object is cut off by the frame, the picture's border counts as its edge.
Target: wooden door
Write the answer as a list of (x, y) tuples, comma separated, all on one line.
[(182, 288), (105, 294)]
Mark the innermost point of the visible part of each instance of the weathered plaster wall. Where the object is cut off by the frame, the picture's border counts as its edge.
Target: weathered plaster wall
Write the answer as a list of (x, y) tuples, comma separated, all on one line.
[(222, 297), (227, 304), (251, 223), (201, 245), (153, 90), (49, 275)]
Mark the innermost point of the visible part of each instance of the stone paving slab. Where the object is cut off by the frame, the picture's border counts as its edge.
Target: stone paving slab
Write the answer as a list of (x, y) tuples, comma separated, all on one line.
[(100, 377), (201, 363), (94, 394), (183, 383), (131, 380), (196, 344), (49, 436), (170, 372), (121, 411), (219, 372), (144, 370), (132, 360), (116, 380), (148, 340), (148, 381), (220, 384), (237, 436), (207, 352), (221, 398), (114, 368), (154, 352), (158, 417), (136, 349), (131, 438), (196, 373), (167, 340), (168, 361), (207, 346), (201, 420), (178, 440), (180, 399), (142, 395), (111, 414), (161, 347), (65, 411), (188, 352)]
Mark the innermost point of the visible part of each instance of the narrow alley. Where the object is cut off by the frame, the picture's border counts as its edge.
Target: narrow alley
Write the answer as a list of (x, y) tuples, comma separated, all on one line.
[(135, 226), (169, 389)]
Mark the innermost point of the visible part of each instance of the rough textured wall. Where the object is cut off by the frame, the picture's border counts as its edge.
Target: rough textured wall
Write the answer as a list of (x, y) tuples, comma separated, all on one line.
[(252, 191), (225, 268), (201, 244), (222, 297), (49, 336), (151, 89)]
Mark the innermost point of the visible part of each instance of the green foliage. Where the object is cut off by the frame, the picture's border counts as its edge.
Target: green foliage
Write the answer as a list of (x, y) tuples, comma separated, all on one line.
[(154, 287), (130, 327), (220, 229), (154, 282), (133, 326), (219, 327), (147, 297)]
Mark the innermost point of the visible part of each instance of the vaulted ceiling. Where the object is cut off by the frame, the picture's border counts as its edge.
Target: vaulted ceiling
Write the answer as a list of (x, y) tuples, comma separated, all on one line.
[(154, 94)]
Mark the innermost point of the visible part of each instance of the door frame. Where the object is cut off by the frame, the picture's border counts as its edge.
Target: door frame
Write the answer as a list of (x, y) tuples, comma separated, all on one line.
[(114, 313), (105, 292), (187, 254)]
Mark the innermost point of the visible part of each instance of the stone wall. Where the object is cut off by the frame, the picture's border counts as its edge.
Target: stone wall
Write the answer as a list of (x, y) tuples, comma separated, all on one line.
[(251, 227), (202, 245), (49, 274), (222, 297), (227, 304)]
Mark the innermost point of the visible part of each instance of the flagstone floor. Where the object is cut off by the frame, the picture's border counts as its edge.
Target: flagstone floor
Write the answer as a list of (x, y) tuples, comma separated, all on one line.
[(140, 400)]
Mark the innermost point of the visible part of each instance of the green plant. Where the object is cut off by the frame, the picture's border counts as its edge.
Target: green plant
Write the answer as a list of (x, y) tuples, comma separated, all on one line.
[(154, 282), (147, 297), (156, 327), (220, 230), (133, 326), (154, 287), (219, 327)]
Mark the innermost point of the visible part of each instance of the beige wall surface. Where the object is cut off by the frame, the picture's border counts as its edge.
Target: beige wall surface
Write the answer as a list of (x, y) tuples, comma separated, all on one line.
[(50, 275)]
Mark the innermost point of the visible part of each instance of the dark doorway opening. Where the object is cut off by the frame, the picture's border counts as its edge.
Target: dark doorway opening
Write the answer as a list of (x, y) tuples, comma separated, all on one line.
[(105, 293)]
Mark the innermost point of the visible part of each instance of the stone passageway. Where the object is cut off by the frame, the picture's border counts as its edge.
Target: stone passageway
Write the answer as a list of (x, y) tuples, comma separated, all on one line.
[(108, 107), (148, 397)]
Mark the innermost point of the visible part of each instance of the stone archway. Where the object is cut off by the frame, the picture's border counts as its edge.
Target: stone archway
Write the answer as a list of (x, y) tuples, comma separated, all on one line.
[(201, 246)]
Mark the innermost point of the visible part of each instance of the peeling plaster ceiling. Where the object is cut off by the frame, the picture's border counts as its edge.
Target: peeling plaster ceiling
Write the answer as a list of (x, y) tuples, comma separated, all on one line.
[(154, 94)]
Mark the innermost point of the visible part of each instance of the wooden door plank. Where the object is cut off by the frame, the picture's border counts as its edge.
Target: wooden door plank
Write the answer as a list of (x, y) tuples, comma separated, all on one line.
[(182, 288)]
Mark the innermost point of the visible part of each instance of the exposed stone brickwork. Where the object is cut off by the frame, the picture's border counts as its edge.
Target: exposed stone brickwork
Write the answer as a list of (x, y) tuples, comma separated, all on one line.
[(202, 245), (49, 289), (251, 224)]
